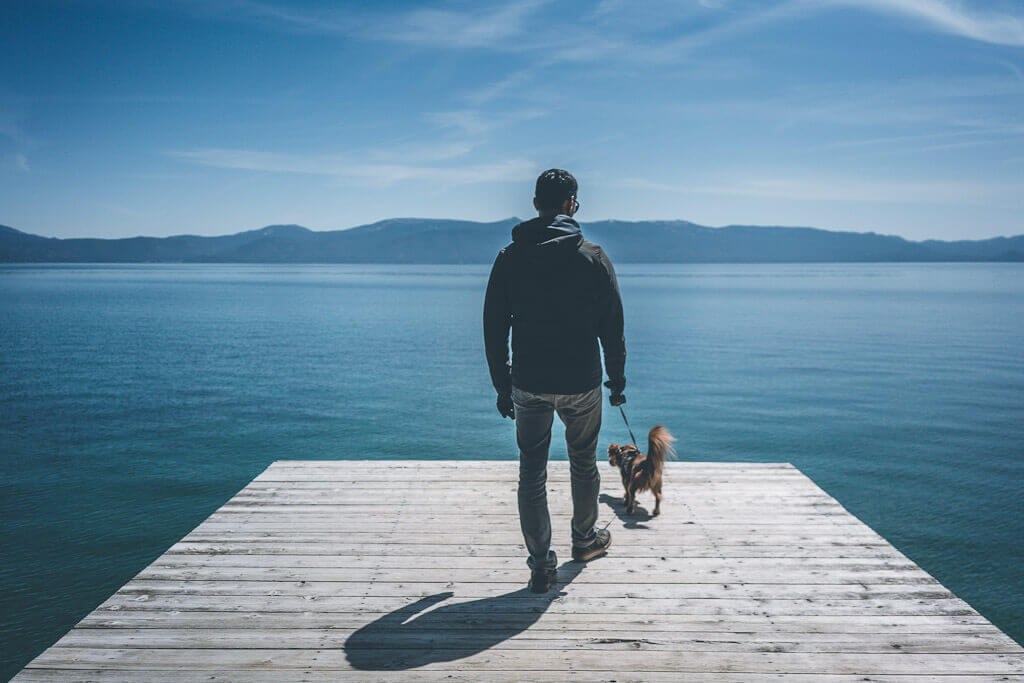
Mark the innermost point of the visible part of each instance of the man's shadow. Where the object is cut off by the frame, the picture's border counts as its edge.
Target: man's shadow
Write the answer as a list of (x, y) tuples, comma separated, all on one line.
[(630, 521), (410, 636)]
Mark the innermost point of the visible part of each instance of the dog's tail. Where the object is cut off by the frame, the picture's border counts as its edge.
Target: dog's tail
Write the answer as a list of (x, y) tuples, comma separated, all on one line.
[(659, 446)]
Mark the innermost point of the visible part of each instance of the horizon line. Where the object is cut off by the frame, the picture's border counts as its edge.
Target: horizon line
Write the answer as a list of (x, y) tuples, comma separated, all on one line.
[(518, 219)]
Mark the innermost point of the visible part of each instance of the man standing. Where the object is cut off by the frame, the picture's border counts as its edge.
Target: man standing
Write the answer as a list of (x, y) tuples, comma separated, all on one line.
[(558, 295)]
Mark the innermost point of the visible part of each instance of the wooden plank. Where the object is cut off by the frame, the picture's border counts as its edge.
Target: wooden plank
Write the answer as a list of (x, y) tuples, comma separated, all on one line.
[(337, 581), (552, 621), (450, 553), (757, 482), (543, 660), (478, 540), (653, 570), (456, 676), (508, 462), (266, 516), (416, 571), (824, 529), (692, 641), (499, 586), (443, 501), (518, 602)]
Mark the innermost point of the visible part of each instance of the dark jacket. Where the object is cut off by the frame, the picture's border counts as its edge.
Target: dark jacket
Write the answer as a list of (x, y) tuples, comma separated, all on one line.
[(558, 294)]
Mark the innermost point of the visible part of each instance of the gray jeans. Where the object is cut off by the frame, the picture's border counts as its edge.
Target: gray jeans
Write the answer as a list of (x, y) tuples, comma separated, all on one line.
[(581, 414)]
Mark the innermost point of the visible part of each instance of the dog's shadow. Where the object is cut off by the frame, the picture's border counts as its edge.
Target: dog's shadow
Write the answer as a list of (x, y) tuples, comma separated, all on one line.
[(630, 521), (416, 635)]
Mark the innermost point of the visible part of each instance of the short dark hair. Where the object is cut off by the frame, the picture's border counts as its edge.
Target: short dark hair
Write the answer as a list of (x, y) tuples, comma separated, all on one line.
[(554, 186)]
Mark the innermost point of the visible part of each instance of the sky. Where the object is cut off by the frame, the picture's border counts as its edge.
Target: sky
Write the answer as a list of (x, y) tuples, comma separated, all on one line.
[(162, 117)]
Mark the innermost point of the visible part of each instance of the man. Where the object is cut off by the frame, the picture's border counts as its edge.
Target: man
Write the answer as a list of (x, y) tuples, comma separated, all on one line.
[(558, 294)]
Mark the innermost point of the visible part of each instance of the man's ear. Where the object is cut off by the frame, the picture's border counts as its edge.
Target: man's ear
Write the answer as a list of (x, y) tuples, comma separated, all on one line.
[(536, 205)]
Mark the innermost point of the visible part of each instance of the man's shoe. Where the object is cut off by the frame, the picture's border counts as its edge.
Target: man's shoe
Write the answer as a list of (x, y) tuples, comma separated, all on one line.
[(541, 579), (596, 549)]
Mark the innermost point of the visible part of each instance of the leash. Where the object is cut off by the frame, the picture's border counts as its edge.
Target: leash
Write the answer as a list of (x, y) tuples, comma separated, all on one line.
[(627, 426)]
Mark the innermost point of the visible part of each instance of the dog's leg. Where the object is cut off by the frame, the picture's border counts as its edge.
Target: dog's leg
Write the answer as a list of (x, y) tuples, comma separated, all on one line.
[(630, 501), (657, 500)]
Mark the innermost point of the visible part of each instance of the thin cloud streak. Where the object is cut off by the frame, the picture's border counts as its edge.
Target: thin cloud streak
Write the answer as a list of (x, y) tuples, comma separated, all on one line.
[(436, 27), (343, 167), (477, 124), (474, 28), (845, 190), (957, 18)]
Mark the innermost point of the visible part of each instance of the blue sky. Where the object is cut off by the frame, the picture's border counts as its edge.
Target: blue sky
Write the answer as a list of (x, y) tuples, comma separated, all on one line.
[(213, 116)]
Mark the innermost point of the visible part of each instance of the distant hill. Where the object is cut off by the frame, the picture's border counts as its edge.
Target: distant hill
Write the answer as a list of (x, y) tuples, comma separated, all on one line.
[(425, 240)]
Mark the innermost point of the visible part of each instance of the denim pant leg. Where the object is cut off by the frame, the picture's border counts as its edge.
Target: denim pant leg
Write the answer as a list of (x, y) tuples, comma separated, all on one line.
[(534, 415), (581, 414)]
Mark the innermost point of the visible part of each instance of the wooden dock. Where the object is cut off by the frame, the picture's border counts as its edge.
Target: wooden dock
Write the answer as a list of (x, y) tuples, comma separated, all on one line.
[(414, 570)]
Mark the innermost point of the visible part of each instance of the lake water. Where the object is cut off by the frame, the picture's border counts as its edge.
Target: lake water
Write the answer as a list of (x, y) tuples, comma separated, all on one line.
[(135, 400)]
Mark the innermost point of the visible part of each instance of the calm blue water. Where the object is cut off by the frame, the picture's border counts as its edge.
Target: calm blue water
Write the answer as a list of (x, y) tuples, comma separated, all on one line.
[(135, 400)]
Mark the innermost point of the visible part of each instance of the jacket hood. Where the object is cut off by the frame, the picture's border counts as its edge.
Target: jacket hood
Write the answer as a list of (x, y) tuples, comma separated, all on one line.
[(549, 236)]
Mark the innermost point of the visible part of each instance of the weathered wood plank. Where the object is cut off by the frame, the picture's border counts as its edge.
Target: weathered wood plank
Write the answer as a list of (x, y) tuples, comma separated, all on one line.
[(652, 571), (654, 575), (315, 589), (456, 676), (542, 660), (518, 602), (693, 641), (554, 621), (345, 552), (506, 539)]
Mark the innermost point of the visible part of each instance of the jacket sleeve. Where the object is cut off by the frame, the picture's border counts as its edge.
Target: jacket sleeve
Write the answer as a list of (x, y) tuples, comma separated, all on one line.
[(610, 329), (497, 323)]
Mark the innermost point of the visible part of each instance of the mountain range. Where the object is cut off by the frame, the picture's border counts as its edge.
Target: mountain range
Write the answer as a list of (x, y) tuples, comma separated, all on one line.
[(424, 240)]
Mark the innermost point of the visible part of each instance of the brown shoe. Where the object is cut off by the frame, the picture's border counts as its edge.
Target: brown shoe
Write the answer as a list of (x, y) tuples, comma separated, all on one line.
[(542, 579), (597, 548)]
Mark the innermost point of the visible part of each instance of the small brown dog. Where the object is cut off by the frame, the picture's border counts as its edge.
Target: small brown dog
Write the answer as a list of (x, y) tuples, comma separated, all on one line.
[(642, 471)]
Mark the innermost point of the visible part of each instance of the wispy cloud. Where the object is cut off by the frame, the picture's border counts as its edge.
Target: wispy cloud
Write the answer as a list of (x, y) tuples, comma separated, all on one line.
[(1013, 68), (475, 123), (469, 26), (281, 16), (846, 189), (732, 25), (500, 87), (421, 152), (1001, 27), (475, 25), (346, 168)]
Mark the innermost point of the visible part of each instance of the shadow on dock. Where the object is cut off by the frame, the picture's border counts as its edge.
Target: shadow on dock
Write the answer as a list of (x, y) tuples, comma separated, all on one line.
[(630, 521), (416, 635)]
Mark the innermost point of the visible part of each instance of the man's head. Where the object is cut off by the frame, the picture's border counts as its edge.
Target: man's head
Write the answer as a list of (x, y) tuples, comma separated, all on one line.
[(556, 193)]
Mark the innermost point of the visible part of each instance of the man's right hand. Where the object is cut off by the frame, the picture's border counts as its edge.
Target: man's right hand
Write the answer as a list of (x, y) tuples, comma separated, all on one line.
[(505, 406)]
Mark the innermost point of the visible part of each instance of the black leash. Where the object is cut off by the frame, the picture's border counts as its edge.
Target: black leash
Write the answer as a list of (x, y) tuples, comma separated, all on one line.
[(627, 426)]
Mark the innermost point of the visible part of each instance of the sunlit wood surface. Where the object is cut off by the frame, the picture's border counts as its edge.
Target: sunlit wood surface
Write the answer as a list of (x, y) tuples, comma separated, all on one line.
[(415, 570)]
